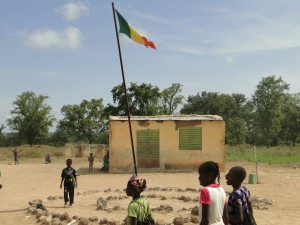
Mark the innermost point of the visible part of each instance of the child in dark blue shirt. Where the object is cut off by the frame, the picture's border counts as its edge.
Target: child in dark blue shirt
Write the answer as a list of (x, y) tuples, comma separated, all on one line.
[(69, 178)]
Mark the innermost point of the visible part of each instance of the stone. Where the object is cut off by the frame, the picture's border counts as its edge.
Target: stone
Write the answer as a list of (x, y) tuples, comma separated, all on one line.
[(64, 216), (101, 204), (56, 221), (160, 222), (113, 222), (35, 202), (178, 220), (83, 221), (93, 219), (195, 211), (103, 221), (195, 219)]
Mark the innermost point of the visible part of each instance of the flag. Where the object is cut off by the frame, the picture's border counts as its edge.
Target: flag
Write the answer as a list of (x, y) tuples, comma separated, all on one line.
[(127, 29)]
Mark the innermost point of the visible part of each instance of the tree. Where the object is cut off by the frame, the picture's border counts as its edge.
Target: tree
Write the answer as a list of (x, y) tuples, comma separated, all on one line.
[(31, 117), (171, 99), (58, 138), (268, 100), (236, 131), (290, 128), (231, 107), (142, 99), (84, 121), (2, 127)]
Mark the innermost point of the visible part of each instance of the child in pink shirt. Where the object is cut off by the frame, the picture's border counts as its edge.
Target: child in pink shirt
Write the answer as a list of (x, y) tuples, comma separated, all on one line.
[(212, 206)]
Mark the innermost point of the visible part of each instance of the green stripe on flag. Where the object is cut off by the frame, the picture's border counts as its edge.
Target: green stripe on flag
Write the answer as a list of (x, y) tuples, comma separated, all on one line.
[(124, 27)]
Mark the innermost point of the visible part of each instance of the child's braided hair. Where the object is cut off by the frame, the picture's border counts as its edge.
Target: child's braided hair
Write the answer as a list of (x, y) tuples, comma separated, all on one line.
[(212, 168)]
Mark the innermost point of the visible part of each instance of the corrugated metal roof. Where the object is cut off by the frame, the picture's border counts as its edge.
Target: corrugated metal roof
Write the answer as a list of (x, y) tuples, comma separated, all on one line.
[(168, 117)]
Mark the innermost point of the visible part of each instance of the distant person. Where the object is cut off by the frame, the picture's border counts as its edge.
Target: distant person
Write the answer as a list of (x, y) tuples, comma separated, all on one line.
[(139, 210), (69, 178), (239, 204), (105, 167), (91, 162), (48, 159), (212, 205), (16, 153)]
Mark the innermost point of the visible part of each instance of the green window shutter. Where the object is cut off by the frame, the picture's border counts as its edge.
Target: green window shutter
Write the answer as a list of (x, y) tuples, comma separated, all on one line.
[(190, 138)]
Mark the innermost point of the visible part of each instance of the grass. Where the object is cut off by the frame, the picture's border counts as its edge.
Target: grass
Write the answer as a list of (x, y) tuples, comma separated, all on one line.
[(279, 155), (34, 152)]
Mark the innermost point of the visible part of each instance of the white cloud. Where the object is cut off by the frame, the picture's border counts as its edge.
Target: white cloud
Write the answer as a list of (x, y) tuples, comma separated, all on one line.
[(73, 11), (70, 38)]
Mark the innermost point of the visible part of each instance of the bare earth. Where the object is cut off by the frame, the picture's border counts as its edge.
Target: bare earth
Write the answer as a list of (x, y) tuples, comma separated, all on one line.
[(35, 180)]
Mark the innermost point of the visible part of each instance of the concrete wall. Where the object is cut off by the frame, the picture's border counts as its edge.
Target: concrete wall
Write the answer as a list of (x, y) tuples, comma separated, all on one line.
[(213, 144), (84, 150)]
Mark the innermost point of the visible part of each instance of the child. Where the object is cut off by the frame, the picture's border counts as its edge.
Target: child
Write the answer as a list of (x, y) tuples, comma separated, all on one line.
[(48, 159), (239, 199), (91, 162), (16, 153), (212, 207), (105, 167), (139, 211), (68, 176)]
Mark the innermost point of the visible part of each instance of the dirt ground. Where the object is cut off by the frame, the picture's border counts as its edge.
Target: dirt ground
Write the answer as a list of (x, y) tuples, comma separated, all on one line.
[(35, 180)]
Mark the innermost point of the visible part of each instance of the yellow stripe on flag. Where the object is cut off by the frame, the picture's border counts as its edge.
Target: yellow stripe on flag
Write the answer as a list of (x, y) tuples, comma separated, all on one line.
[(135, 36)]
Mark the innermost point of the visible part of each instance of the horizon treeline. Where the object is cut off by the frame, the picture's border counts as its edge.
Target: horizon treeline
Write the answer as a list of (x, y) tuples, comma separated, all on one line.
[(270, 117)]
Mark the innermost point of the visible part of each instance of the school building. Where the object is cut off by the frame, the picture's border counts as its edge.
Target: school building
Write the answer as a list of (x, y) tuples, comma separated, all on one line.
[(166, 142)]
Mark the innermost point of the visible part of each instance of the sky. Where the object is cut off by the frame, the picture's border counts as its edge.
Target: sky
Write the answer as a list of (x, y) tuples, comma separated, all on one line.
[(67, 50)]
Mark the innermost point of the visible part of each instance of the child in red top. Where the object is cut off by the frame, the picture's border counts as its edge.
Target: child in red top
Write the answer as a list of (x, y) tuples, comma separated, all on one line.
[(212, 206)]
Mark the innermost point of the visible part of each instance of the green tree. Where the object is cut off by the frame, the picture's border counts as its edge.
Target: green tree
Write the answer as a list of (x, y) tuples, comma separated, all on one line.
[(2, 137), (231, 107), (58, 138), (290, 128), (171, 99), (31, 117), (142, 99), (268, 101), (2, 127), (236, 131), (85, 121)]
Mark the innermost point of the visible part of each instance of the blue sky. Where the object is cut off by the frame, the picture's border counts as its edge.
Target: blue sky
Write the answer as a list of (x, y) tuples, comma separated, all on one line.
[(67, 50)]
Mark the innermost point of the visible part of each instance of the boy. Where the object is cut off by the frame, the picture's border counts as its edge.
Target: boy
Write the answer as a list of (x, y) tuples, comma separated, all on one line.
[(69, 177), (91, 162)]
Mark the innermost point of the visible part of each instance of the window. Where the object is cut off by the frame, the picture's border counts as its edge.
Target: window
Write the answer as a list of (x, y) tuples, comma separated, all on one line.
[(190, 138)]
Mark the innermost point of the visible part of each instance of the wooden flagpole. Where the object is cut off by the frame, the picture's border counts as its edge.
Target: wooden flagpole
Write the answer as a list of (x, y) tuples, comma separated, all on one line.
[(125, 91)]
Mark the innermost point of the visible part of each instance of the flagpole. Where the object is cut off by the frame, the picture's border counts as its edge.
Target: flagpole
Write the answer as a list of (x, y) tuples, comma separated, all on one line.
[(125, 90)]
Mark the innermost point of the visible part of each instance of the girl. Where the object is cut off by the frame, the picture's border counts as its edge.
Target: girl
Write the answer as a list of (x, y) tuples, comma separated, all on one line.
[(212, 207), (239, 199), (139, 211)]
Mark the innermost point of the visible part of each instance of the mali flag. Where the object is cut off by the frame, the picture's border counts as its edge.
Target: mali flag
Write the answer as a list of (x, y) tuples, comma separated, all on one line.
[(127, 29)]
